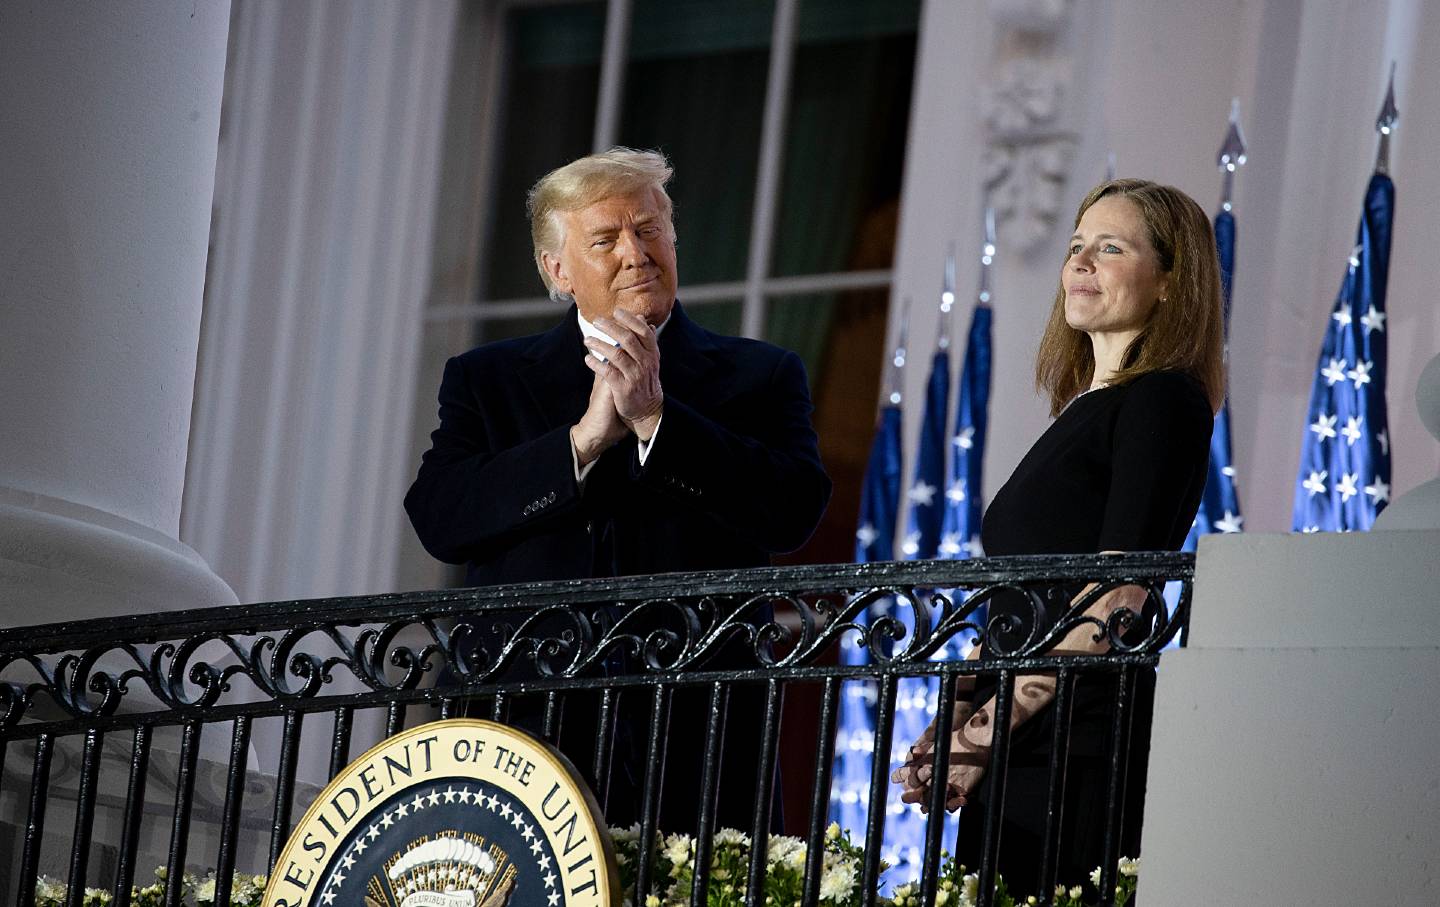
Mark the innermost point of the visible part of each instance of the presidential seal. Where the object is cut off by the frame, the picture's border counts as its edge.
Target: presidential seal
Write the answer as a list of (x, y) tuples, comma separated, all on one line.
[(460, 813)]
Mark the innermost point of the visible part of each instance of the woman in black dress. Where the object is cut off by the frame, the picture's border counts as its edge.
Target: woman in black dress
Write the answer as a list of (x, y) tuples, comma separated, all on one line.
[(1132, 363)]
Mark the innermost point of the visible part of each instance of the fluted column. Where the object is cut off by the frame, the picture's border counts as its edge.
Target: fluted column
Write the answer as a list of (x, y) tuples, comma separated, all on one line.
[(110, 116)]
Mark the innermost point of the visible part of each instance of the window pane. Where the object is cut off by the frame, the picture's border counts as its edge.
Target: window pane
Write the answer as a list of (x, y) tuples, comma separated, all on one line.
[(547, 118), (845, 137), (695, 88)]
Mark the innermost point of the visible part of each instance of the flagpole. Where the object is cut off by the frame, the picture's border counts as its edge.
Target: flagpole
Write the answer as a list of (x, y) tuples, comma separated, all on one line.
[(1231, 156), (895, 371), (947, 301), (1385, 124), (987, 257)]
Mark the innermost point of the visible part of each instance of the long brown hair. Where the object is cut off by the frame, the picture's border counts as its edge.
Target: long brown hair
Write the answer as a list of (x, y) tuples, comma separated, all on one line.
[(1185, 330)]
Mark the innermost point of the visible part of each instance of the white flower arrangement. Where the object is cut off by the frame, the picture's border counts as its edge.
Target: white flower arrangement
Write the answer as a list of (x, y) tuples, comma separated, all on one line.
[(246, 890), (785, 859)]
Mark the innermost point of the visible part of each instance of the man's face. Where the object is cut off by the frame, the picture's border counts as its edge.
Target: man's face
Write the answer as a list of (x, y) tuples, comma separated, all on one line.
[(618, 252)]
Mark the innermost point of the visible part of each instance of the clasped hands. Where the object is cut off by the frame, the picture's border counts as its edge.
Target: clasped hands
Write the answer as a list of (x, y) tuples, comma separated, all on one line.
[(626, 395), (969, 757)]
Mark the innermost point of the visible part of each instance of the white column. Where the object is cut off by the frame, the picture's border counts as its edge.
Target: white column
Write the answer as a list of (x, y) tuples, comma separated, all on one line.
[(326, 195), (107, 152), (1293, 754)]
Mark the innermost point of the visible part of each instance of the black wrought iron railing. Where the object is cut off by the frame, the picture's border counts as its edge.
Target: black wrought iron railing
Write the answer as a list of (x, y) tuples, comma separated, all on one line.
[(294, 689)]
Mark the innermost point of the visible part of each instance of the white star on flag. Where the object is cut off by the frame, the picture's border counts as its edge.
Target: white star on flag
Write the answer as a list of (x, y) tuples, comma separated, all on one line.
[(1228, 471), (1373, 320), (1231, 523), (1324, 426), (955, 494), (966, 438), (1351, 431), (1384, 439), (1334, 372), (1360, 374), (1315, 484), (922, 494), (1379, 491), (973, 547), (866, 535), (910, 545), (1346, 486), (950, 544), (1343, 315)]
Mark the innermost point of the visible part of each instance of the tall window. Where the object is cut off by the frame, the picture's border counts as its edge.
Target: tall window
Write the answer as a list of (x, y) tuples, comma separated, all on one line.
[(786, 123)]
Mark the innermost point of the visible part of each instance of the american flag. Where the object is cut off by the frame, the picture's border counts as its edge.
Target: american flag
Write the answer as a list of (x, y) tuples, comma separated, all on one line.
[(874, 541), (1344, 477), (1220, 506)]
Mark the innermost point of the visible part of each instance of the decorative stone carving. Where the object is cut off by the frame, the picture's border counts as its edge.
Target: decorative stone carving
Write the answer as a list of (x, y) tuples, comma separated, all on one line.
[(1030, 147)]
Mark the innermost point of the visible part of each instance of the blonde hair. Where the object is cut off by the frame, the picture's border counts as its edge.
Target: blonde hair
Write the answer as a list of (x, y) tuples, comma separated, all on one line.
[(582, 182), (1185, 330)]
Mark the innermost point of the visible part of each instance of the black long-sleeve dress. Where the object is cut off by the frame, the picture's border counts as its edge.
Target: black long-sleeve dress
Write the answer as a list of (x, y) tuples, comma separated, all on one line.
[(1121, 469)]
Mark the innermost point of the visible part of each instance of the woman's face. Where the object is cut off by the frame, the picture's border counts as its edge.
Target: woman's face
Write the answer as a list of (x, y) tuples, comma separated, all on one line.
[(1112, 276)]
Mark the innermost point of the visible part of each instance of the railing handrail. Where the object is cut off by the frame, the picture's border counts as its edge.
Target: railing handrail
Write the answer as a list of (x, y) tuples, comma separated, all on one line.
[(263, 616)]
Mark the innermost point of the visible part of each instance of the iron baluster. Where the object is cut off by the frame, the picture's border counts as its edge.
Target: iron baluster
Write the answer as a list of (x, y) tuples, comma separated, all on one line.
[(285, 783), (340, 740), (230, 817), (35, 822), (709, 791), (939, 787), (764, 791), (879, 788), (84, 817), (1055, 785), (180, 827), (134, 812), (820, 793), (995, 807), (650, 798)]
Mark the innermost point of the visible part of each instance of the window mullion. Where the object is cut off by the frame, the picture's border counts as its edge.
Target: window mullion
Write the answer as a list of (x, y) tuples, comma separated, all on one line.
[(612, 74), (772, 158)]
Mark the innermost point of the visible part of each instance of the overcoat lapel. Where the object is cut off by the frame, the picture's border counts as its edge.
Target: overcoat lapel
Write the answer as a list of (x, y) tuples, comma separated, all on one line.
[(687, 363), (554, 373)]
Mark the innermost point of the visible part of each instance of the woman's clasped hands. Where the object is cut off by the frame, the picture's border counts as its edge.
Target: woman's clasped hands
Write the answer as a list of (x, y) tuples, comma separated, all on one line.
[(968, 758)]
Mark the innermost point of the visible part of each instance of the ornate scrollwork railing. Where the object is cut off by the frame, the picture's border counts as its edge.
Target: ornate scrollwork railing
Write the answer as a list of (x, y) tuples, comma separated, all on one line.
[(428, 645)]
